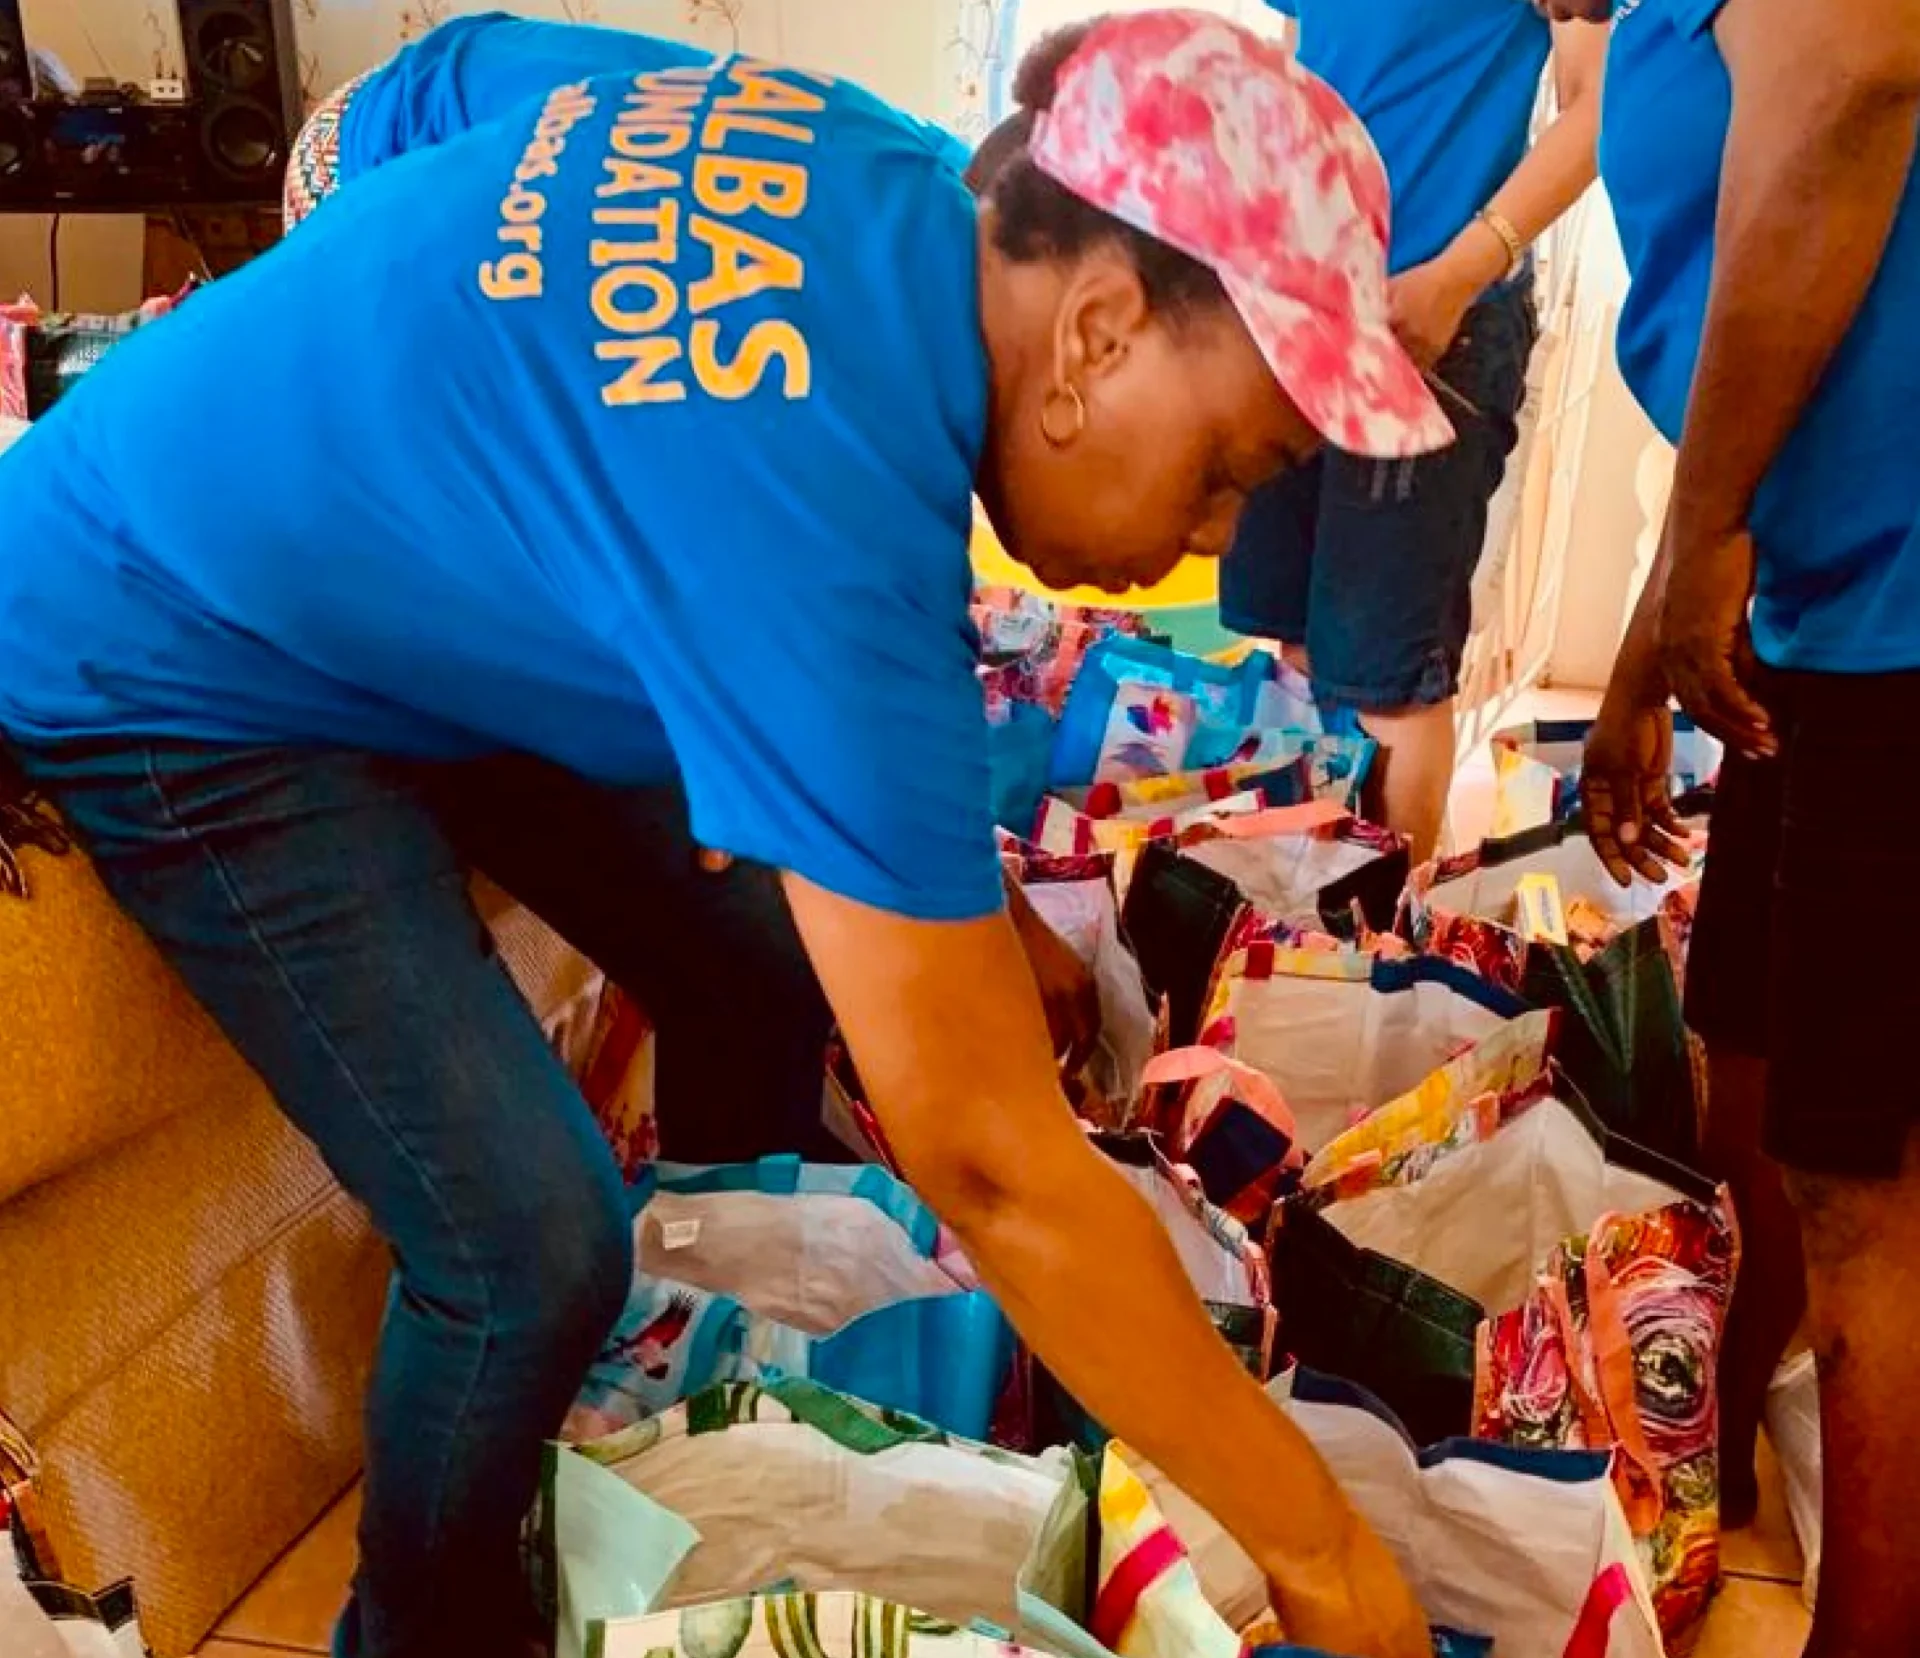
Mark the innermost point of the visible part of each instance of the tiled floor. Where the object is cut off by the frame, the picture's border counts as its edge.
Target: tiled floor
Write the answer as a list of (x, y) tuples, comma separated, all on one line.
[(1759, 1614)]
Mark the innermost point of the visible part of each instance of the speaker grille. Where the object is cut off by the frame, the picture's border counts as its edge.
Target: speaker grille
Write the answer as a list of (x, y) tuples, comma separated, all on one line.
[(230, 45), (243, 139)]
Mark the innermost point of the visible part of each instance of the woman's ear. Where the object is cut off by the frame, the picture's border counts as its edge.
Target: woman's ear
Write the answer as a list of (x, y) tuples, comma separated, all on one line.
[(1103, 310)]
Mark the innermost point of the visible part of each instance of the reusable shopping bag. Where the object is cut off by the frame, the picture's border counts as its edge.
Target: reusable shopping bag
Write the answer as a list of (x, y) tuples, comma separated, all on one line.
[(1793, 1424), (1619, 1344), (1349, 1310), (55, 1620), (1031, 649), (1227, 1269), (1292, 768), (1139, 709), (1342, 1031), (1603, 1270), (1230, 1126), (1067, 830), (1086, 914), (1527, 1549), (1617, 974), (40, 1616), (784, 1268), (1299, 869), (750, 1517), (1536, 770), (1306, 874)]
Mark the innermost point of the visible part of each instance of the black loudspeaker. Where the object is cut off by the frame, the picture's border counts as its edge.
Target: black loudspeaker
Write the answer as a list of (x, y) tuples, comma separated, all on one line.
[(243, 77), (16, 68), (17, 144)]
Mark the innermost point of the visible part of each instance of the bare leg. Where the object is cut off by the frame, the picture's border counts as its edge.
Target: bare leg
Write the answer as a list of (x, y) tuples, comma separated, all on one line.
[(1414, 772), (1863, 1286), (1769, 1298)]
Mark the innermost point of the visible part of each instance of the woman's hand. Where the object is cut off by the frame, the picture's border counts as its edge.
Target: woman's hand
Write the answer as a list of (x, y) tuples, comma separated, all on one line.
[(1704, 645), (1626, 791), (1354, 1601), (1429, 302)]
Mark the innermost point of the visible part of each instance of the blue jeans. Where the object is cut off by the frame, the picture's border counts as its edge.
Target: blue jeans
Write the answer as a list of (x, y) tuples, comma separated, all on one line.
[(316, 904), (1369, 564)]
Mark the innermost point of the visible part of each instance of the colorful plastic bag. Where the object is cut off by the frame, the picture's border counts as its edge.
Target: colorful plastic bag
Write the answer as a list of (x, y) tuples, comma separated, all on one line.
[(1341, 1032), (1351, 1311), (1307, 868), (839, 1274), (1086, 914), (1032, 650), (1604, 1271), (1618, 974), (1227, 1269), (1232, 1128), (1526, 1549), (750, 1517), (1139, 709), (1618, 1345), (1536, 770)]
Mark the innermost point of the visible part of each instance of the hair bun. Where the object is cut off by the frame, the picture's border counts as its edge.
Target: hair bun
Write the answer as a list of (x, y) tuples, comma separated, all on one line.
[(1037, 80)]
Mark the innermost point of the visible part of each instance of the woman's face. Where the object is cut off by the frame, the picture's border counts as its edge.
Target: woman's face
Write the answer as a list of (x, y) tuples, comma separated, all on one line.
[(1123, 440)]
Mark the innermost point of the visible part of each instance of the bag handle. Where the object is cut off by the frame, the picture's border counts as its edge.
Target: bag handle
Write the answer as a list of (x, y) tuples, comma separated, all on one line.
[(1610, 1410), (1280, 820), (1256, 1088), (1615, 1371)]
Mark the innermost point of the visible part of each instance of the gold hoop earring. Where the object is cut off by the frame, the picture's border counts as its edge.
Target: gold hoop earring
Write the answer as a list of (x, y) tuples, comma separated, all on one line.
[(1069, 394)]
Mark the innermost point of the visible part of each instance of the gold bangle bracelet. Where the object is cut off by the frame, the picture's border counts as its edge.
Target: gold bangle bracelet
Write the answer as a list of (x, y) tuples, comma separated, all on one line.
[(1502, 227)]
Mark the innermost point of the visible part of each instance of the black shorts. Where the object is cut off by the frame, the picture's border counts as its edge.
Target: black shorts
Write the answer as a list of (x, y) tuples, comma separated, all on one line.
[(1810, 900), (1369, 564)]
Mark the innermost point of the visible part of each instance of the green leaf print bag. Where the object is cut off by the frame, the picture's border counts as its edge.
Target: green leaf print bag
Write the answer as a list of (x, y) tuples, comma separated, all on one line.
[(786, 1519)]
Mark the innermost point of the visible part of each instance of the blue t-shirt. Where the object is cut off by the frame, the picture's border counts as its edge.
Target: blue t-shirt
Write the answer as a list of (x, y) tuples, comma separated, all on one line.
[(475, 68), (636, 429), (1836, 522), (1446, 87)]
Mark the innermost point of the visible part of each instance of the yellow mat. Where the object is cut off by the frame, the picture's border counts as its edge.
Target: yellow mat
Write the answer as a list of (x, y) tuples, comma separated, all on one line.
[(1195, 581)]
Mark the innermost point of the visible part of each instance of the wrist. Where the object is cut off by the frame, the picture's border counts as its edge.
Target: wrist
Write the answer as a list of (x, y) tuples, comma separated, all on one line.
[(1480, 255), (1638, 681), (1298, 1570), (1698, 518)]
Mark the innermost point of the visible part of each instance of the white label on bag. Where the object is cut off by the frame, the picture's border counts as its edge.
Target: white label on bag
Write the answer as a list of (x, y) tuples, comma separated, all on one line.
[(679, 1234)]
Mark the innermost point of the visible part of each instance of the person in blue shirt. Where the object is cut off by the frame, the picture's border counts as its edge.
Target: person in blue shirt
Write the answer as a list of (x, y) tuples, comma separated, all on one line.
[(637, 430), (1760, 155), (1365, 572), (739, 943)]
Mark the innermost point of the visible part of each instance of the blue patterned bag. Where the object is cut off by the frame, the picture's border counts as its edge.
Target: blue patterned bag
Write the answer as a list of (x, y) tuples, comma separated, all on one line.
[(780, 1268)]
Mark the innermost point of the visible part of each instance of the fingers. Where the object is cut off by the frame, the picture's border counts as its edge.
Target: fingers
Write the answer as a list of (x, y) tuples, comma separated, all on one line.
[(1708, 688), (1611, 837), (1630, 824)]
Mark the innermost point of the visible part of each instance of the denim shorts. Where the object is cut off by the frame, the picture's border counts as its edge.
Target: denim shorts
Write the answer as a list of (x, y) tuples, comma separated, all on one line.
[(1370, 564)]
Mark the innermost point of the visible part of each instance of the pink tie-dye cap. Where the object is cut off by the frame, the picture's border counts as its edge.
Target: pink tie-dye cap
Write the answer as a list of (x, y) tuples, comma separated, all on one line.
[(1204, 136)]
